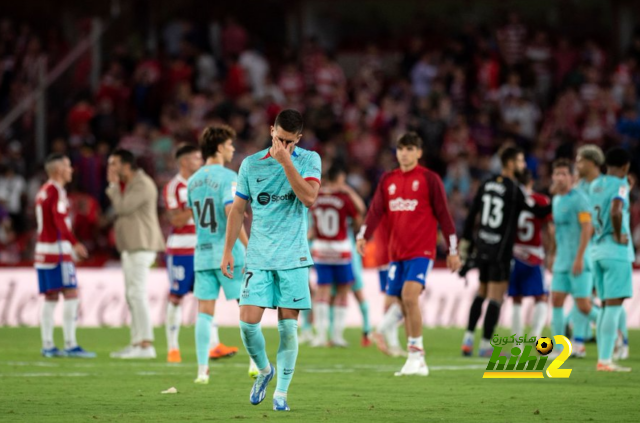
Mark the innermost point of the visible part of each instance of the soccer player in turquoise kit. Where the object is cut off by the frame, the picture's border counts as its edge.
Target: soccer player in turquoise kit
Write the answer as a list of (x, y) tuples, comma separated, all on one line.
[(210, 193), (281, 183), (612, 252), (571, 266)]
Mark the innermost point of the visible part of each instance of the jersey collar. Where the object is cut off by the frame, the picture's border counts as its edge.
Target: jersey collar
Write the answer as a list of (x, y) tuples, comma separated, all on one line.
[(266, 156)]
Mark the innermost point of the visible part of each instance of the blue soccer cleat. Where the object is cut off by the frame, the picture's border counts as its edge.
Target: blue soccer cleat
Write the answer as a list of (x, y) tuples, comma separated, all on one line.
[(78, 352), (467, 347), (280, 404), (259, 390), (53, 352)]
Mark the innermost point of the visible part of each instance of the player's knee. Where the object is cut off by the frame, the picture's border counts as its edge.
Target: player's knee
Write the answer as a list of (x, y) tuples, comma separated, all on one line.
[(51, 296), (175, 299), (584, 307)]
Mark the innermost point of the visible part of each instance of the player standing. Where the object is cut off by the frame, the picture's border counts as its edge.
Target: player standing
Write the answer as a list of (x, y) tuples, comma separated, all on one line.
[(571, 266), (281, 183), (414, 201), (499, 201), (612, 252), (210, 193), (332, 256), (55, 248), (527, 275)]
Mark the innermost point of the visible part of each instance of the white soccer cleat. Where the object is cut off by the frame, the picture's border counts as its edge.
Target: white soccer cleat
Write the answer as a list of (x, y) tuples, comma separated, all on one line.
[(414, 367), (621, 353), (202, 380), (124, 351), (339, 342), (305, 337), (140, 353), (579, 351), (253, 369), (318, 343), (397, 351)]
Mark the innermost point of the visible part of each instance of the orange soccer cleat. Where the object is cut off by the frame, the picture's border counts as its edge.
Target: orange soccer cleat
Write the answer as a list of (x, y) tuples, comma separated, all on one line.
[(611, 367), (366, 341), (222, 351), (174, 356)]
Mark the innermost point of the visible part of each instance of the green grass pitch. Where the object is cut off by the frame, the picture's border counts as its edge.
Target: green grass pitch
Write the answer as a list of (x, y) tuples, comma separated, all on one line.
[(350, 385)]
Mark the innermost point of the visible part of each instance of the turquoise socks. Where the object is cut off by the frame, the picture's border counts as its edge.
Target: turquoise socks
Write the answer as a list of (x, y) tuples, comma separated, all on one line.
[(557, 321), (203, 337), (253, 341), (364, 309), (608, 331), (622, 326), (305, 316), (287, 353)]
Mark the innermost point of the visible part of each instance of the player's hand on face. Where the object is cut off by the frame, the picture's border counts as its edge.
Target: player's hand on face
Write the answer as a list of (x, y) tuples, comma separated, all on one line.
[(280, 151), (577, 267), (360, 246), (453, 263), (227, 265), (81, 250)]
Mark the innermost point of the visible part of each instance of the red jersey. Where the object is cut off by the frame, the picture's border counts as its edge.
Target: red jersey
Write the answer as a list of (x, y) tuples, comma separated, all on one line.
[(55, 239), (381, 238), (182, 241), (330, 212), (528, 246), (414, 203)]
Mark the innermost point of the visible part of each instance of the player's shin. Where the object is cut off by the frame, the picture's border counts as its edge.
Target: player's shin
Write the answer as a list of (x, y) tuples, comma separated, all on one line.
[(253, 341), (539, 318), (321, 321), (490, 321), (622, 325), (287, 354), (557, 321), (203, 337), (516, 319), (608, 331), (215, 337), (172, 325), (46, 324), (69, 319)]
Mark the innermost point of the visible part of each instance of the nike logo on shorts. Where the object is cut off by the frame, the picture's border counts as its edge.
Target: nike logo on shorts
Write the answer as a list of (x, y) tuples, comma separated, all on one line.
[(295, 300)]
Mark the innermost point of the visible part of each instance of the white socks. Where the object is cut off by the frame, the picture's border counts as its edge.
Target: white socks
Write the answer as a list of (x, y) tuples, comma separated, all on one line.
[(172, 325), (69, 322), (46, 324), (415, 347), (321, 321), (539, 318), (516, 319), (339, 322), (389, 325), (215, 336)]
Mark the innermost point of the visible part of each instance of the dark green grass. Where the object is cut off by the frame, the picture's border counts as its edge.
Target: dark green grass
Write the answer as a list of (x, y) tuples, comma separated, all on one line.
[(351, 385)]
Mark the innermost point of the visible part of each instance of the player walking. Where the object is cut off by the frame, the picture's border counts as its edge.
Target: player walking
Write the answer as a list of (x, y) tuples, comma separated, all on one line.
[(281, 183), (55, 248), (413, 199)]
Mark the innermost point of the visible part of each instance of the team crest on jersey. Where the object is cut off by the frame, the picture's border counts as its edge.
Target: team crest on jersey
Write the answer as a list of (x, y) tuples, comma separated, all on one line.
[(415, 185), (392, 189)]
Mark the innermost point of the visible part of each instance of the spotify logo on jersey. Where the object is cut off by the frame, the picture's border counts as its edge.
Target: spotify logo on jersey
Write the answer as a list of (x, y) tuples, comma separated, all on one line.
[(264, 198)]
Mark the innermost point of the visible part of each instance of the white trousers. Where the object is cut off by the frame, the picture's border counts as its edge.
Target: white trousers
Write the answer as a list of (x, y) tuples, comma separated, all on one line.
[(136, 265)]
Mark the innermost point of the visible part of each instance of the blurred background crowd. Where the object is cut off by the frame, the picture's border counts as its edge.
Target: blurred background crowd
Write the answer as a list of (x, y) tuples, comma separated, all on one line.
[(466, 91)]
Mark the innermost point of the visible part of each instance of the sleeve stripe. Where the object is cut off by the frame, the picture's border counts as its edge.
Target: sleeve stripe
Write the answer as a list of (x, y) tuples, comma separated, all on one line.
[(617, 197), (226, 203), (312, 178), (241, 195)]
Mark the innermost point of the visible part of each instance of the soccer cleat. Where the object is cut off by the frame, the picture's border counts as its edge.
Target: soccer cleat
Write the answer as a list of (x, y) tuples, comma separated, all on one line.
[(622, 353), (381, 342), (414, 367), (53, 352), (174, 356), (119, 354), (202, 380), (253, 369), (222, 351), (259, 389), (397, 351), (306, 337), (467, 347), (611, 367), (366, 341), (318, 343), (340, 343), (280, 404), (579, 351), (485, 352), (79, 352), (147, 353)]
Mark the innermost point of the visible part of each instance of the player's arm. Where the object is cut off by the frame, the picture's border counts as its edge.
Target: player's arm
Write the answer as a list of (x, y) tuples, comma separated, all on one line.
[(469, 224), (125, 205), (59, 213), (179, 217), (549, 243), (539, 210), (305, 188), (586, 229), (235, 219), (616, 221), (439, 205), (358, 202), (376, 212), (244, 238)]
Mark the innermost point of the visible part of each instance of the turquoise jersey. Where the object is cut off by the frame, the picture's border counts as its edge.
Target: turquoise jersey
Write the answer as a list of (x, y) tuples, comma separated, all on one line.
[(603, 191), (568, 229), (209, 191), (278, 238), (583, 186)]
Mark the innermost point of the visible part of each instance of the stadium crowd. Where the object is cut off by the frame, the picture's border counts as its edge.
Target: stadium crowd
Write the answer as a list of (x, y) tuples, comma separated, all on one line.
[(466, 94)]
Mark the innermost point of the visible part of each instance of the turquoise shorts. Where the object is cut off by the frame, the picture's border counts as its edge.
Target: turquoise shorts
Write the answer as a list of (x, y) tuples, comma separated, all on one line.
[(580, 286), (209, 282), (613, 278), (277, 288)]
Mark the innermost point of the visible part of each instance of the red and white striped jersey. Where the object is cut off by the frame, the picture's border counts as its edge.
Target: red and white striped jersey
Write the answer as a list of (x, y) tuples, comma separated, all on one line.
[(55, 239), (182, 241), (528, 246), (330, 212)]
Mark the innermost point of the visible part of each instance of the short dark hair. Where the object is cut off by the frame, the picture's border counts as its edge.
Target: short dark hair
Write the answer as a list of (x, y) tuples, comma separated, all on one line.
[(509, 153), (525, 177), (410, 139), (290, 120), (334, 171), (563, 163), (54, 157), (185, 149), (126, 156), (617, 157), (212, 137)]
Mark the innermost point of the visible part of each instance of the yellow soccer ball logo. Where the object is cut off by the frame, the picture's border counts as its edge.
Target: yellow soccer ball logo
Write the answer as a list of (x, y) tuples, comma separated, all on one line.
[(544, 345)]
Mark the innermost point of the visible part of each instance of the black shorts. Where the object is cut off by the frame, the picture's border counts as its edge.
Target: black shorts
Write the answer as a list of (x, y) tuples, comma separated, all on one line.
[(494, 271)]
